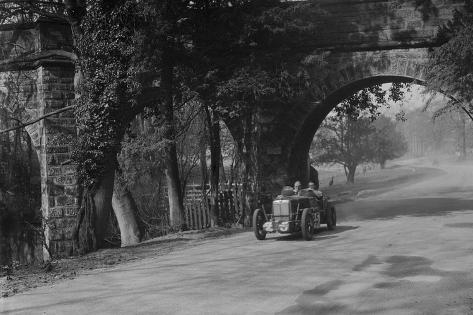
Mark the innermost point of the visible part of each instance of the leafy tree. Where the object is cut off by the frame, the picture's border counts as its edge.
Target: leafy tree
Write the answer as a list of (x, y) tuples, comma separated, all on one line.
[(450, 66), (346, 142), (107, 46), (387, 143)]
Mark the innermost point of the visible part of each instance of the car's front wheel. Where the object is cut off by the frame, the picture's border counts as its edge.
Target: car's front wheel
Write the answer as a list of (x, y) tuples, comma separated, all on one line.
[(307, 224), (258, 220)]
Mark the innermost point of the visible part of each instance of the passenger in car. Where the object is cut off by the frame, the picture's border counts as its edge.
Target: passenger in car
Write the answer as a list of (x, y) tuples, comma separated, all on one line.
[(297, 187)]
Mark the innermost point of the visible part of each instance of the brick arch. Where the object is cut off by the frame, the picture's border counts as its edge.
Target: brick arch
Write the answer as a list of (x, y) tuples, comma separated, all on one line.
[(363, 70), (345, 69)]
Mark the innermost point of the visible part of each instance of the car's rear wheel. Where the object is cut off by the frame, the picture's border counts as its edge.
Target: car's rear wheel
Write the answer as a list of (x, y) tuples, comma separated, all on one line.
[(331, 219), (258, 220), (307, 224)]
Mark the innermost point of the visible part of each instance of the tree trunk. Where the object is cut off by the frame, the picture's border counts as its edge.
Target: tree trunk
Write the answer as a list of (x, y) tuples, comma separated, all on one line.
[(247, 146), (4, 244), (103, 205), (125, 210), (351, 174), (223, 176), (203, 161), (176, 208), (382, 164), (94, 212), (463, 135), (215, 155)]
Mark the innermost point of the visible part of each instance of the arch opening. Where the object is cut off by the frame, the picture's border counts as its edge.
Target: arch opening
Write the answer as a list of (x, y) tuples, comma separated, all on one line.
[(22, 219), (299, 166), (22, 234)]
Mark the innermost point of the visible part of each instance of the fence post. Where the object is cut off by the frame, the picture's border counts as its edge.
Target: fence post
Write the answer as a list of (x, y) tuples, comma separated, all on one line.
[(204, 218)]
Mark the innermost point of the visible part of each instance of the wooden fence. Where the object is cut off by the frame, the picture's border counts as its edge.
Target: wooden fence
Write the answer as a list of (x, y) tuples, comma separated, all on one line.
[(197, 207)]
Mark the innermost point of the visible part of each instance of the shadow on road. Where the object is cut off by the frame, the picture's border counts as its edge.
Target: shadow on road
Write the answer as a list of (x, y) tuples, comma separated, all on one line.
[(321, 234), (389, 209), (464, 225), (405, 273)]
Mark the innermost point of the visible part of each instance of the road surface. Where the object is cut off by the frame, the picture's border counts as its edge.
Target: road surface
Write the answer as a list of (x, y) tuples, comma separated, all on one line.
[(407, 251)]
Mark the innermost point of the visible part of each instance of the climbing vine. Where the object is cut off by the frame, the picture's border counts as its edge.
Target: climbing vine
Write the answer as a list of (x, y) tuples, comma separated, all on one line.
[(107, 47), (106, 105)]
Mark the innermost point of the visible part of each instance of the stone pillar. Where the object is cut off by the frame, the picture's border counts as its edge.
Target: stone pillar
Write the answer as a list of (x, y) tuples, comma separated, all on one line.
[(58, 173), (301, 169), (273, 148)]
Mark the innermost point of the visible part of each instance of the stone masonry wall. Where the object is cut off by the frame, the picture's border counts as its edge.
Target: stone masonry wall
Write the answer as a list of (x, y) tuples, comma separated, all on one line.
[(60, 201), (381, 23)]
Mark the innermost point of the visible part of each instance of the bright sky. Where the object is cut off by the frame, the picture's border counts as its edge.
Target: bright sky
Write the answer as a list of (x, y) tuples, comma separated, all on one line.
[(415, 99)]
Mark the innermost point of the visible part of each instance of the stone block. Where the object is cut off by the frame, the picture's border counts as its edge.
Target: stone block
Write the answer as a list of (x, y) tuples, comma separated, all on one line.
[(65, 200), (70, 211), (61, 248), (56, 212), (52, 94), (53, 105), (47, 80), (59, 139), (51, 223), (65, 180), (67, 80), (56, 234), (68, 232), (71, 191), (55, 190), (62, 170), (68, 248), (57, 159)]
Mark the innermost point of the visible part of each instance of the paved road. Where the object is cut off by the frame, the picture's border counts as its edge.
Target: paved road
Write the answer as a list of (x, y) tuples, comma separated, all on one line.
[(408, 251)]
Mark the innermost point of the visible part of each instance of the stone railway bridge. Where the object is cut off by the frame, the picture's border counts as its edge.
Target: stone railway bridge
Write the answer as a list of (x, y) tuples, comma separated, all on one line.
[(367, 42)]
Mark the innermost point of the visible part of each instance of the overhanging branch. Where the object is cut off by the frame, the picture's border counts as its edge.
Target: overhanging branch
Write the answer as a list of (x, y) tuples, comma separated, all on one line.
[(37, 119)]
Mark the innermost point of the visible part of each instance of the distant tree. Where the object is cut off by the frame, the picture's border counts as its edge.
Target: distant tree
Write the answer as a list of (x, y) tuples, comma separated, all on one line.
[(346, 137), (387, 142), (344, 141)]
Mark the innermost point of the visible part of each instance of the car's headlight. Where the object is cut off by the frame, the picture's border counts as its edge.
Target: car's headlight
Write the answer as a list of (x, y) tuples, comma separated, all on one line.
[(283, 227), (268, 226)]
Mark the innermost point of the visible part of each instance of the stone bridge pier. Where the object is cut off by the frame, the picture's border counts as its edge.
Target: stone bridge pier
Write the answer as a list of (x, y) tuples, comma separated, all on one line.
[(35, 73)]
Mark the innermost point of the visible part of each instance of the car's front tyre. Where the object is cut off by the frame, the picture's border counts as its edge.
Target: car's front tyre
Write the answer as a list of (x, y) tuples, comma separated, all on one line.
[(307, 224), (259, 219)]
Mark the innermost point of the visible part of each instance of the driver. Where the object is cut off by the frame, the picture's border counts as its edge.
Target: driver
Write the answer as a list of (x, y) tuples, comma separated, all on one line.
[(317, 192)]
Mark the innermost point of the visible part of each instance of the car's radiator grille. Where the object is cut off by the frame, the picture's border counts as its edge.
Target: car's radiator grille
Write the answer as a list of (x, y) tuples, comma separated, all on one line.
[(281, 208)]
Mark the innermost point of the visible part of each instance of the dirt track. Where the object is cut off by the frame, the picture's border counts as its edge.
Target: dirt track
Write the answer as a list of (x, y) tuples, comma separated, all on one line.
[(407, 251)]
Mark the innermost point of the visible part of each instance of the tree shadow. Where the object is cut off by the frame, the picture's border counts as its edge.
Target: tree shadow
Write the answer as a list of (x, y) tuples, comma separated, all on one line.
[(320, 234), (389, 209)]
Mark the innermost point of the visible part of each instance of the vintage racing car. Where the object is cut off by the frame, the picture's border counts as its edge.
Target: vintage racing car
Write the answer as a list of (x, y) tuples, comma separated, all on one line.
[(293, 213)]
